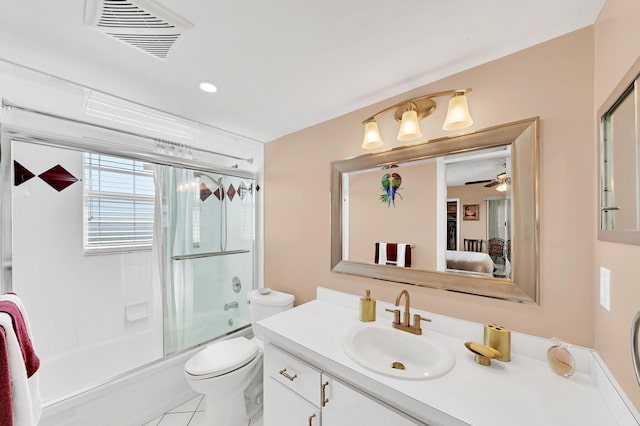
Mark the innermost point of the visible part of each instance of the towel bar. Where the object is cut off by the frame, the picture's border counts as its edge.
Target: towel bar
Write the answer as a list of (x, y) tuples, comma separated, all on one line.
[(210, 254), (634, 345)]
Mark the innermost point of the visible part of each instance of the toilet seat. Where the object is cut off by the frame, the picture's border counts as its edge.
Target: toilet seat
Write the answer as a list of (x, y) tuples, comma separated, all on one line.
[(221, 358)]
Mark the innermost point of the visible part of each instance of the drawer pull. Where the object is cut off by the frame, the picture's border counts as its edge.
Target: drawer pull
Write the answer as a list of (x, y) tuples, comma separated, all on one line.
[(287, 375), (311, 419), (324, 394)]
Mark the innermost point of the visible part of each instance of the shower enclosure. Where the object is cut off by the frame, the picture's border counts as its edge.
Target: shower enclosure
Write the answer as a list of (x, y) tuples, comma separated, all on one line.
[(122, 260)]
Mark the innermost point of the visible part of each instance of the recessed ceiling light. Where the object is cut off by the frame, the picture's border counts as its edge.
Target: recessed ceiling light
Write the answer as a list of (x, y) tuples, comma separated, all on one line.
[(208, 87)]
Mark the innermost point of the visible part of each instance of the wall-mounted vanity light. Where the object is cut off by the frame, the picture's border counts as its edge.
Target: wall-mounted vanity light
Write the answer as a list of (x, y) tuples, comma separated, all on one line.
[(410, 111)]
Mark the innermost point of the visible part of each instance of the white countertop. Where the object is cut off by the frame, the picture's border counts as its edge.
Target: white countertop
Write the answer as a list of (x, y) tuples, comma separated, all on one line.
[(522, 392)]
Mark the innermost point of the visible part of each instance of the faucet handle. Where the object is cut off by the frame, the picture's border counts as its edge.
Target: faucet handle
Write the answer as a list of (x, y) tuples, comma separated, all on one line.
[(417, 318), (416, 321), (396, 315)]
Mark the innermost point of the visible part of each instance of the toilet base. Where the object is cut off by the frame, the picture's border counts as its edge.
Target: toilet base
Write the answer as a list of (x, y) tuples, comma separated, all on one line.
[(225, 394)]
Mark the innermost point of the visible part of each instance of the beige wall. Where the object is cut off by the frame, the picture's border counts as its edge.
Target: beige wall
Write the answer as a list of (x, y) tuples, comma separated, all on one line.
[(617, 32), (536, 82)]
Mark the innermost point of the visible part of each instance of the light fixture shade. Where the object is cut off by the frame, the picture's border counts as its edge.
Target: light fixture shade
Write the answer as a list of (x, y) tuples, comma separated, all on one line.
[(458, 116), (502, 187), (409, 127), (372, 137)]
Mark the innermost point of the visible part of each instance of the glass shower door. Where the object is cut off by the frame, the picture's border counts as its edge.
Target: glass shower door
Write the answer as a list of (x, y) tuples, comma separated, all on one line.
[(208, 243)]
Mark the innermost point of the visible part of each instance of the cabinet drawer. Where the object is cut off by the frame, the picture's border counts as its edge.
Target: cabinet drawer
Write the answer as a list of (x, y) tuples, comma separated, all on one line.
[(283, 407), (297, 375)]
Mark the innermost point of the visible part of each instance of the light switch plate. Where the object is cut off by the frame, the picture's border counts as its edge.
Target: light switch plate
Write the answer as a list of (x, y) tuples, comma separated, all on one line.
[(605, 288)]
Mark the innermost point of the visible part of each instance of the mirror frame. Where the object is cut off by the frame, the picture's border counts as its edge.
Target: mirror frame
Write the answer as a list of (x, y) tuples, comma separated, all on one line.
[(620, 236), (524, 139)]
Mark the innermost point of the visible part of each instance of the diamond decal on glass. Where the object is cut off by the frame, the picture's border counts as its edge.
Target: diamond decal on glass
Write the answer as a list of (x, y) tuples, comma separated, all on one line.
[(231, 192), (242, 190), (205, 192), (219, 194), (20, 174), (58, 178)]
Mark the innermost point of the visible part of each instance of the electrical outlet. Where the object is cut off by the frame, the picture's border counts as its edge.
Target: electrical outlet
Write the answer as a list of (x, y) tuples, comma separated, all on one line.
[(605, 288)]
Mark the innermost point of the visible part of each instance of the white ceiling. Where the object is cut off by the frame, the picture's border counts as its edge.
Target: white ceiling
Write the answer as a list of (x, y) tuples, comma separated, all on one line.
[(477, 166), (284, 65)]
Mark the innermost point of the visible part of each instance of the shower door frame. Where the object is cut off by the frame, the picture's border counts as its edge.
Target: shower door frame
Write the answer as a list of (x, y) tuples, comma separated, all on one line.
[(98, 139)]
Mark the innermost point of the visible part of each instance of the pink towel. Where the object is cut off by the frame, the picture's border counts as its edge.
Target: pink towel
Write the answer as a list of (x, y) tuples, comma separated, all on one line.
[(31, 360), (6, 408)]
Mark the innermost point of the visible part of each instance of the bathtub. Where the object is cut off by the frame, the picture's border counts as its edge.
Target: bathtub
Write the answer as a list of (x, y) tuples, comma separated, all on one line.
[(131, 399)]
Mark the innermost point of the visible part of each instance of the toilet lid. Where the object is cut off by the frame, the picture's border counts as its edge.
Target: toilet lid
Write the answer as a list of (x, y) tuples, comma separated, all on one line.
[(222, 357), (271, 298)]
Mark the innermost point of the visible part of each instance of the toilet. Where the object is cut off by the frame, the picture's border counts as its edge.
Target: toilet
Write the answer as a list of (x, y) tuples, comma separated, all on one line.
[(223, 370)]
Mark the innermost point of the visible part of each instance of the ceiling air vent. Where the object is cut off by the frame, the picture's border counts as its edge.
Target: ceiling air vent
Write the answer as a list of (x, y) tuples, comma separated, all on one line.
[(143, 24)]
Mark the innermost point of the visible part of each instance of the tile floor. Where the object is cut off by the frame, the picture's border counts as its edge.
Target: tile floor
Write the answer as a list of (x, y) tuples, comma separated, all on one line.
[(191, 413)]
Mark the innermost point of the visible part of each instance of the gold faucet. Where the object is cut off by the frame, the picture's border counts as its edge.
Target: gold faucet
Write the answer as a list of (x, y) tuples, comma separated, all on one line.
[(405, 325)]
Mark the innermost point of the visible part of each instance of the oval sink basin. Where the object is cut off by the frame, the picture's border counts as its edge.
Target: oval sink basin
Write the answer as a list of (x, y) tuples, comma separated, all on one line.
[(397, 353)]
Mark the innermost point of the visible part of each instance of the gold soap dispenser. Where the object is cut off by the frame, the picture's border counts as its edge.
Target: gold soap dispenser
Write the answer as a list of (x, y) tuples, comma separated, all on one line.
[(367, 308)]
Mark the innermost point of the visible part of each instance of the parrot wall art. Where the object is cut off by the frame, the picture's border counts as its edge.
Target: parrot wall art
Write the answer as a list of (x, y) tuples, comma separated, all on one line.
[(390, 186)]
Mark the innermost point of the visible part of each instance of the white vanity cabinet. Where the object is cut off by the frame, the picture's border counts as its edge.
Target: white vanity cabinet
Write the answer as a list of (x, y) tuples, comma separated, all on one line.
[(297, 393), (346, 406)]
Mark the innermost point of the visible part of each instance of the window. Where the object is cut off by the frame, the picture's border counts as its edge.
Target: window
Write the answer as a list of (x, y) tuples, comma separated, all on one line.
[(119, 204)]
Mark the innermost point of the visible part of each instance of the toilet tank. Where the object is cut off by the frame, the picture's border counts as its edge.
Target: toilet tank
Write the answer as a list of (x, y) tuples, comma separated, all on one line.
[(265, 302)]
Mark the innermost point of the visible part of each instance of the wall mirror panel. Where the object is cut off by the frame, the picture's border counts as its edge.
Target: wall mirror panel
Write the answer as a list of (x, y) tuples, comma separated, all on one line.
[(457, 213), (619, 162)]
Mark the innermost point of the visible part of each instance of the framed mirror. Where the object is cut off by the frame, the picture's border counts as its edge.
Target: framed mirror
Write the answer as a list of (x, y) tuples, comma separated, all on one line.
[(457, 213), (619, 162)]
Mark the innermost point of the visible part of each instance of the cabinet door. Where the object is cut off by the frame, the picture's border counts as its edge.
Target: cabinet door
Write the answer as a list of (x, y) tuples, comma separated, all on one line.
[(283, 407), (345, 406)]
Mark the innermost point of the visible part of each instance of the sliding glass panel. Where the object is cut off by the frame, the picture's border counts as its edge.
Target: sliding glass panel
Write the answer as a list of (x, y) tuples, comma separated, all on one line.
[(208, 229)]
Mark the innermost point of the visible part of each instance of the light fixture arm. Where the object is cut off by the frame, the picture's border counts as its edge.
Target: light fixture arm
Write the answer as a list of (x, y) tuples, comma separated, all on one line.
[(416, 103)]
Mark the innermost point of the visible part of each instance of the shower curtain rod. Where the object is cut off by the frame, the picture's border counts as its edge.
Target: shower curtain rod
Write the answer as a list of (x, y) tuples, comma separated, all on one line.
[(9, 106)]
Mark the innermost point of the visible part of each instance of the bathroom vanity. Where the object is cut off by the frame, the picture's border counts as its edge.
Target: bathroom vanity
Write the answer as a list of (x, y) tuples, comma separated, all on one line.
[(309, 379), (298, 394)]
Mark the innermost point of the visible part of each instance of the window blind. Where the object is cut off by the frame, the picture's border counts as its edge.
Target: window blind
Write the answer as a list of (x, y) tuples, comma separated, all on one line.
[(119, 197)]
